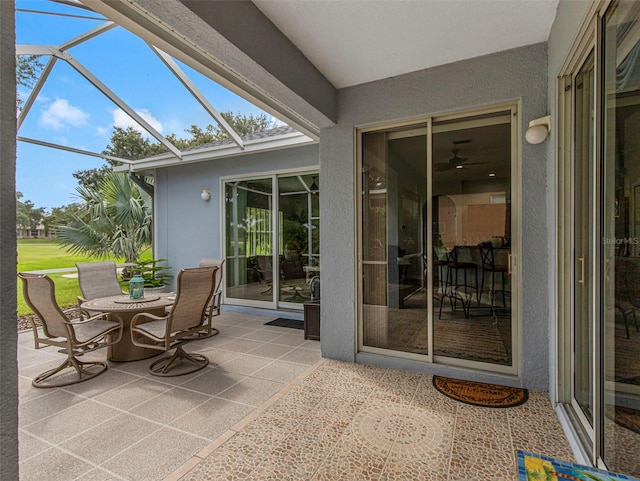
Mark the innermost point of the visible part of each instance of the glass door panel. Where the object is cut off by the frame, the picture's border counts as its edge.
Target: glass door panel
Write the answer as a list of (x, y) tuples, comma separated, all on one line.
[(394, 292), (583, 226), (298, 251), (249, 240), (471, 238), (620, 210)]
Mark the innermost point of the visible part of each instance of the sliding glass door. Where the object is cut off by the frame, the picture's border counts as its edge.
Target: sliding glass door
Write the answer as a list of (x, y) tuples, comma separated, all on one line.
[(471, 234), (620, 260), (272, 240), (599, 234), (250, 224), (394, 193), (582, 380), (436, 241)]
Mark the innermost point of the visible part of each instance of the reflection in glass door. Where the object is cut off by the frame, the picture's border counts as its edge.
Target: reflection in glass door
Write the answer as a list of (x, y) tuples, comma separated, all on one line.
[(299, 235), (272, 259), (249, 239), (620, 202)]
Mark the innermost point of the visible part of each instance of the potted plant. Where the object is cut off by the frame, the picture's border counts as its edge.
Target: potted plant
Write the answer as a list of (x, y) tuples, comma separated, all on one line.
[(154, 275)]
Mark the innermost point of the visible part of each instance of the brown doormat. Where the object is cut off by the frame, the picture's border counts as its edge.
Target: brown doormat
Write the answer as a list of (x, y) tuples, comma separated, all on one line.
[(480, 393)]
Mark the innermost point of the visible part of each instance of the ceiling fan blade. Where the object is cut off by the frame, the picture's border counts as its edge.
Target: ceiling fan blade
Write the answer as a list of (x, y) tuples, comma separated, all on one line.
[(441, 167), (476, 163)]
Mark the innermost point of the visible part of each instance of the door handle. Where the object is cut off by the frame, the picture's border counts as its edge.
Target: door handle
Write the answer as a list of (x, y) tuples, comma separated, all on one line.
[(509, 264), (581, 278)]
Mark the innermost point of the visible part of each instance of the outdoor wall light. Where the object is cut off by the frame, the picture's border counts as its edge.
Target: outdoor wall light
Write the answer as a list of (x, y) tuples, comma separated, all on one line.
[(314, 187), (205, 195), (538, 130)]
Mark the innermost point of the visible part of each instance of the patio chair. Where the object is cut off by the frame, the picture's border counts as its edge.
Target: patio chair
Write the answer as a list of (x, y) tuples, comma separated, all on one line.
[(82, 334), (98, 279), (185, 322), (625, 291), (213, 309), (266, 272)]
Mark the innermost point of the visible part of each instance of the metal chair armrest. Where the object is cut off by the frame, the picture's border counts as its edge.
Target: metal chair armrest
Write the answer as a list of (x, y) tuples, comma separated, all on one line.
[(84, 315), (137, 317)]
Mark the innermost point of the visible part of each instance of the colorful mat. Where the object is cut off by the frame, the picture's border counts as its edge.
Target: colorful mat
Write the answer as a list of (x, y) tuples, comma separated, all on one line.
[(533, 467), (479, 393)]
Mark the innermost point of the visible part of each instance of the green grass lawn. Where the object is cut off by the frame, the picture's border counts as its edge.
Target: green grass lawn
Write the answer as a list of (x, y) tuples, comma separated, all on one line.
[(44, 254)]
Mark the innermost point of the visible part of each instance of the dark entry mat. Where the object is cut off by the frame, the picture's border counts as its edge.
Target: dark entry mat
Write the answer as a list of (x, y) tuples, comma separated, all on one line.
[(284, 322)]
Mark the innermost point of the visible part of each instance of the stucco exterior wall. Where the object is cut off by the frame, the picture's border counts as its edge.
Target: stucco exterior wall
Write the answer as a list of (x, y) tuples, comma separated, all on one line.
[(187, 228), (8, 333), (518, 74)]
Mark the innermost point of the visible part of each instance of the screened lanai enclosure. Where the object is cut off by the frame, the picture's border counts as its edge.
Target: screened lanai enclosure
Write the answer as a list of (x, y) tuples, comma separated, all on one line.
[(271, 258)]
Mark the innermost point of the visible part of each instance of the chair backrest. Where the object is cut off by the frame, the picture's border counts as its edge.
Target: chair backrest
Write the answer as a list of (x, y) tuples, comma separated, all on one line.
[(486, 254), (98, 279), (439, 256), (39, 294), (195, 288), (219, 263), (264, 263), (291, 266), (314, 287), (621, 281)]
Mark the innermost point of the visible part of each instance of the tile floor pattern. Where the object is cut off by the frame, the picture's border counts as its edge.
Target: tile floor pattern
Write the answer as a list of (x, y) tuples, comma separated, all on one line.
[(128, 425), (267, 408), (353, 422)]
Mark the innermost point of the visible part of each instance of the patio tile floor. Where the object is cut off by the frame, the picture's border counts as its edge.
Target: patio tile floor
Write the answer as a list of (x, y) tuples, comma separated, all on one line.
[(268, 407)]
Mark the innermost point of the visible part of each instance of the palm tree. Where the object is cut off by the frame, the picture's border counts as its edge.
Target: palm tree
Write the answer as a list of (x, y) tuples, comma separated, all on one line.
[(114, 220)]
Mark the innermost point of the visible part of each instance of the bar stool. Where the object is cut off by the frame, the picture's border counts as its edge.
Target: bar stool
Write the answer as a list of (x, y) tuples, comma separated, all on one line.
[(489, 265), (460, 258)]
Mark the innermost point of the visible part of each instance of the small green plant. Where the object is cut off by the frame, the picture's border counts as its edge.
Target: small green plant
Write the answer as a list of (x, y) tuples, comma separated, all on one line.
[(154, 275)]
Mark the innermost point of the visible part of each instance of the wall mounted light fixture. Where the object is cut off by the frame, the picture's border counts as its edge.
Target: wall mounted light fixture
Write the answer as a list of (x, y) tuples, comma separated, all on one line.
[(314, 187), (205, 195), (538, 130)]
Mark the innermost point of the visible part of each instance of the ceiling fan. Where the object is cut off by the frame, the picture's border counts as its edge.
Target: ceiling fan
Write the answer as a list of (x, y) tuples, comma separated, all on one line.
[(455, 162)]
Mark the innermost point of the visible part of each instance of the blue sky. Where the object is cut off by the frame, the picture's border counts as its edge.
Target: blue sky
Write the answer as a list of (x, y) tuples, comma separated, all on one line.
[(71, 112)]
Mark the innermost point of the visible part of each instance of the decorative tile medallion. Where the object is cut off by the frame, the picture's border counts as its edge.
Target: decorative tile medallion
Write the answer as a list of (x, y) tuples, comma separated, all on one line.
[(394, 429)]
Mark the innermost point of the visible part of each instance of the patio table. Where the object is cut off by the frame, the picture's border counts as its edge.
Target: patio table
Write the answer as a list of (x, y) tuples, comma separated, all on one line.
[(124, 308)]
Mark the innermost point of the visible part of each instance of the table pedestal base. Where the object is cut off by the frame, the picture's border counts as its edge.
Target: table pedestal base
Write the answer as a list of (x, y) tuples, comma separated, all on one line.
[(125, 350)]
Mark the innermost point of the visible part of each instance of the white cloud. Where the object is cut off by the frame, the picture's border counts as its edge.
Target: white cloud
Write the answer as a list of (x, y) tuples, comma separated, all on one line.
[(60, 140), (102, 131), (121, 119), (60, 114)]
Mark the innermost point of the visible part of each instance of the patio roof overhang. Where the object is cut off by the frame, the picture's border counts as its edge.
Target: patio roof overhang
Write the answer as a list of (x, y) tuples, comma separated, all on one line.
[(221, 150), (293, 90)]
